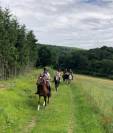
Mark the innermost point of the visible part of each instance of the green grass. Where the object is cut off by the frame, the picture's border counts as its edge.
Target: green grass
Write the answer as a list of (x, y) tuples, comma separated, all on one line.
[(17, 104), (99, 95), (84, 106)]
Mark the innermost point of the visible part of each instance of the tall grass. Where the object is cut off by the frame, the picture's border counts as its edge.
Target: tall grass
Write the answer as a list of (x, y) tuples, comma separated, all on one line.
[(17, 102), (98, 94)]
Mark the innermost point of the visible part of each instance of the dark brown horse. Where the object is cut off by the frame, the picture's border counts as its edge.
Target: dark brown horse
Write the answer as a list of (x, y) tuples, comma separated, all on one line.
[(43, 90), (56, 82), (67, 77)]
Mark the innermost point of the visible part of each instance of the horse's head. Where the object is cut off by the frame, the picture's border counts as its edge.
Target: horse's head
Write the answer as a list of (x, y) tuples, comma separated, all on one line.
[(42, 81)]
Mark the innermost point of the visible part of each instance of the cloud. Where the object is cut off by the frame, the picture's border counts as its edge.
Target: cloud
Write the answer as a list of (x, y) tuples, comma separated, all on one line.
[(75, 23)]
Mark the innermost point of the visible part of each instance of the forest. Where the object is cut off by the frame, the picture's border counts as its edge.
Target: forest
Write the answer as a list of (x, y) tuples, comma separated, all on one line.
[(20, 50), (18, 46), (95, 62)]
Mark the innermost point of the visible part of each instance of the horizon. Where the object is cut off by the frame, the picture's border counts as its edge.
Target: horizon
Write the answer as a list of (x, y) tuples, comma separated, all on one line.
[(82, 24), (74, 47)]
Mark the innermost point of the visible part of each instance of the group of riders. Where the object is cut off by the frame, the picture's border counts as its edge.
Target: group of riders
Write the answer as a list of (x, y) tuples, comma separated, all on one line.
[(44, 86), (45, 77)]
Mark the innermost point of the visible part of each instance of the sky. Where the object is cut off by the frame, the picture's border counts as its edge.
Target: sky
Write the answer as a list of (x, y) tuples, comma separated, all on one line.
[(74, 23)]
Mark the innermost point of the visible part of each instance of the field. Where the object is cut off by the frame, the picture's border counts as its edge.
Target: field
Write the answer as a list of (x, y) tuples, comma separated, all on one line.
[(84, 106)]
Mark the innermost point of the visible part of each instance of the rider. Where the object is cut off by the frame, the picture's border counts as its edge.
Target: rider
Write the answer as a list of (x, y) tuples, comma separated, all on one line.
[(58, 74), (47, 77), (66, 72)]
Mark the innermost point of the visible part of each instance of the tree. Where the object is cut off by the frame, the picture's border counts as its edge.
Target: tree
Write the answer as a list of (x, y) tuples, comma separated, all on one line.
[(45, 56), (18, 47)]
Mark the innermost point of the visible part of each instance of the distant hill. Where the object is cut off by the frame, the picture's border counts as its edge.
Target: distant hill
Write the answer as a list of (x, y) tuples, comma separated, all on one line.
[(60, 47), (96, 62)]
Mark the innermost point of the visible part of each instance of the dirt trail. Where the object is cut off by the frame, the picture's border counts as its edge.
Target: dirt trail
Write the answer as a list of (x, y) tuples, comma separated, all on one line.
[(30, 125), (71, 121)]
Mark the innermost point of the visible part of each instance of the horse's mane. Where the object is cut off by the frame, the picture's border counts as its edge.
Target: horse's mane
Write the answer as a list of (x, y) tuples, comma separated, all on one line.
[(42, 80)]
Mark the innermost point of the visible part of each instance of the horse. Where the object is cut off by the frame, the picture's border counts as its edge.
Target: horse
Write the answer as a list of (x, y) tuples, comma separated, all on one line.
[(67, 77), (43, 90), (56, 82)]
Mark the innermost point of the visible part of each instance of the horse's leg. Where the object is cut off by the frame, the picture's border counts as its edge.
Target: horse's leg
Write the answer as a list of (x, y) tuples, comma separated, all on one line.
[(38, 108), (45, 100), (44, 104), (68, 81), (48, 99), (56, 86)]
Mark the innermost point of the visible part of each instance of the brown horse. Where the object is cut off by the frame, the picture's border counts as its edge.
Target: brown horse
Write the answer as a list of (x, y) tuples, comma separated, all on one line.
[(43, 90), (56, 82)]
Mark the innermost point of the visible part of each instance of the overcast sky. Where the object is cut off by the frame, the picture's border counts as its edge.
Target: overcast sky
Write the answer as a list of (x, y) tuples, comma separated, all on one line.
[(75, 23)]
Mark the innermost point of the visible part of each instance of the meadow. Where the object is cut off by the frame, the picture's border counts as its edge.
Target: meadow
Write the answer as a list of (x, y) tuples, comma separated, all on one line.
[(84, 106)]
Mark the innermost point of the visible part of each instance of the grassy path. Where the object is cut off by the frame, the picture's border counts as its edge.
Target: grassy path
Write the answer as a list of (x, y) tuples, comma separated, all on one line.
[(18, 107), (84, 106), (17, 103), (55, 118)]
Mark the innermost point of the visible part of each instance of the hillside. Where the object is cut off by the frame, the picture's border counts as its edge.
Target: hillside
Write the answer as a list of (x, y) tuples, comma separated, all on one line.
[(95, 62), (84, 106)]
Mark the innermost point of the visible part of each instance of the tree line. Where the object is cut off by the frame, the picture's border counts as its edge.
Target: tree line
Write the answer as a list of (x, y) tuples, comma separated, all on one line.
[(18, 46), (96, 62)]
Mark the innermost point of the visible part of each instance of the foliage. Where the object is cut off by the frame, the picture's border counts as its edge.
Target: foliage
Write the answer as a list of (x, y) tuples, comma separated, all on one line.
[(18, 47), (45, 56), (96, 62)]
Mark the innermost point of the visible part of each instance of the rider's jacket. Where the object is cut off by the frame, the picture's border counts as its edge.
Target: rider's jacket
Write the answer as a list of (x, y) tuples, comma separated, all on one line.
[(58, 74), (47, 77)]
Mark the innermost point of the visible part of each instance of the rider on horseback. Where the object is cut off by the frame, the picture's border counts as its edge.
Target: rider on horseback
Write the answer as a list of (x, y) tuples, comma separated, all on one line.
[(57, 78), (46, 76), (66, 72), (58, 75)]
